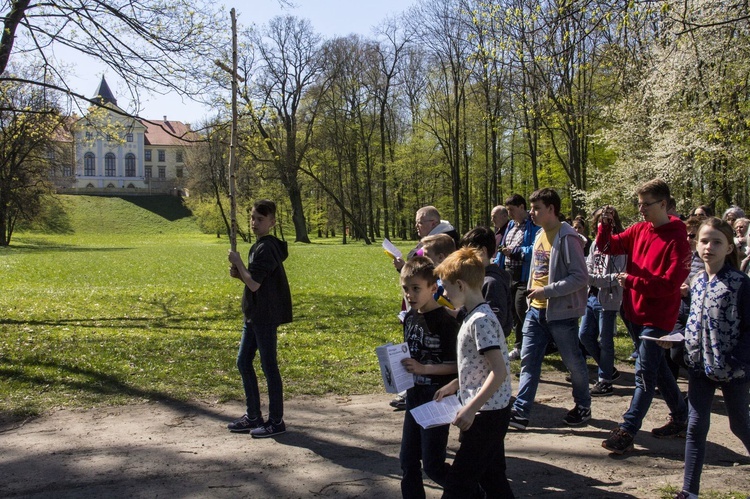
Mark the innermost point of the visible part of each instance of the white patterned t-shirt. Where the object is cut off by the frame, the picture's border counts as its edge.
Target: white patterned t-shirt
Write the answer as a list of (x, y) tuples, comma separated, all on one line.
[(481, 331)]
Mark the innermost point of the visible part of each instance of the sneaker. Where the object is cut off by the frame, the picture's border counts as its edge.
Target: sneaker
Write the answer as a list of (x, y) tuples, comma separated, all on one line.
[(515, 354), (245, 424), (399, 403), (517, 421), (577, 416), (270, 429), (619, 441), (602, 389), (672, 429)]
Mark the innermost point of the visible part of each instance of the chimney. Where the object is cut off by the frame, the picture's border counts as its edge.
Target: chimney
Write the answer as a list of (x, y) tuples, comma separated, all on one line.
[(165, 117)]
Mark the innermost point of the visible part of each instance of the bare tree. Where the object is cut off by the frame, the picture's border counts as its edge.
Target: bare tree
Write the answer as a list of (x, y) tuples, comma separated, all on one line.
[(283, 98), (150, 44)]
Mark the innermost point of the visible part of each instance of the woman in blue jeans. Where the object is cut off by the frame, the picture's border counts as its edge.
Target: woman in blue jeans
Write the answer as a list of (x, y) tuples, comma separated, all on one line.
[(717, 346), (597, 330)]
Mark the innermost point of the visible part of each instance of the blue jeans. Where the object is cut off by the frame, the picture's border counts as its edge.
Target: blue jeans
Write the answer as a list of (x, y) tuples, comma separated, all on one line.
[(260, 338), (700, 396), (417, 444), (537, 333), (597, 335), (651, 370)]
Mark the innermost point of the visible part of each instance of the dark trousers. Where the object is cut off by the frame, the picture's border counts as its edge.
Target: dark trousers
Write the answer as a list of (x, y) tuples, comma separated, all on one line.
[(700, 396), (260, 338), (421, 447), (479, 466), (520, 306)]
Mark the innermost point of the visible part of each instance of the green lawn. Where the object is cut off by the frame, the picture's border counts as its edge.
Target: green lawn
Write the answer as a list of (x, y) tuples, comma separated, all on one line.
[(133, 303)]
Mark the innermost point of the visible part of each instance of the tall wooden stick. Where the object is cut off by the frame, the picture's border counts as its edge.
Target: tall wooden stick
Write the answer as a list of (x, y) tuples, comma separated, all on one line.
[(233, 142)]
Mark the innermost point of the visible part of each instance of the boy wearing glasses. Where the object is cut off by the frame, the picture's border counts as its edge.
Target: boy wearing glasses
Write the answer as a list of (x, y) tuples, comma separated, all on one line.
[(658, 263)]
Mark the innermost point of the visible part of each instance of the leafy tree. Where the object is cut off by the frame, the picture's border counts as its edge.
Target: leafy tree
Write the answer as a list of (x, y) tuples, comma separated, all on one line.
[(29, 125)]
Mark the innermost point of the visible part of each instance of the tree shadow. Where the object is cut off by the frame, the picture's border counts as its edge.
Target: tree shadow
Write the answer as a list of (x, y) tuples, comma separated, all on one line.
[(170, 208), (93, 381)]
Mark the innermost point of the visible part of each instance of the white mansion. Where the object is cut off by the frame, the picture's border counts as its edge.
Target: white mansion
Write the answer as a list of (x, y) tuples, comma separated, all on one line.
[(111, 153)]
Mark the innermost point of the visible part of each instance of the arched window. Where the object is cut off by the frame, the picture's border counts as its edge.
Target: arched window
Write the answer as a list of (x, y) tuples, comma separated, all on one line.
[(110, 186), (130, 165), (90, 186), (89, 164), (109, 165)]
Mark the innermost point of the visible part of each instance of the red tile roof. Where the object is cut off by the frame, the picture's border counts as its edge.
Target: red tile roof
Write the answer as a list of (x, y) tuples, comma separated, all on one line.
[(167, 133)]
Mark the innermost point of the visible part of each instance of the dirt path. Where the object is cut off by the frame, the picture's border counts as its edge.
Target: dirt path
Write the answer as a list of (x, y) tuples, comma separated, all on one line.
[(337, 447)]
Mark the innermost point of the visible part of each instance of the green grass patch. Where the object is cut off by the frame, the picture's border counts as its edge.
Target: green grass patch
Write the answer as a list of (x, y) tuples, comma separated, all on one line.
[(114, 317), (135, 304)]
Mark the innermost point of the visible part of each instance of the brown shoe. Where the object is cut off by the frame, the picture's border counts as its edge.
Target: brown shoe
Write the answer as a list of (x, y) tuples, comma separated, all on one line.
[(619, 441)]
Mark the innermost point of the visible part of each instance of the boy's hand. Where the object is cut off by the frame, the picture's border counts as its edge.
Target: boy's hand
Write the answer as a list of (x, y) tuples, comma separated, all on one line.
[(665, 344), (413, 366), (536, 294), (235, 258), (622, 278), (446, 391), (234, 272), (398, 263), (464, 418)]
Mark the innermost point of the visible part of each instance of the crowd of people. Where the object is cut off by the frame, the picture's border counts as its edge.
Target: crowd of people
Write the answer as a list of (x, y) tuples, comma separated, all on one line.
[(555, 289), (679, 286)]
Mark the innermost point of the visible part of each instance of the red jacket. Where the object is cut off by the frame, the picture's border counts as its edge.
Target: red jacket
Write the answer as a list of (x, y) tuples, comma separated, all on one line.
[(658, 263)]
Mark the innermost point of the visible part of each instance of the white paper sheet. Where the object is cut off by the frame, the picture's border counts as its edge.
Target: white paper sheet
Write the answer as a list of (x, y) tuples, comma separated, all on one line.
[(435, 413), (395, 377)]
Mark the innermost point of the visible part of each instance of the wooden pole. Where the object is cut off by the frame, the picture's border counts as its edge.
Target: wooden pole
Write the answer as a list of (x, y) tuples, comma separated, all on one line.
[(233, 142)]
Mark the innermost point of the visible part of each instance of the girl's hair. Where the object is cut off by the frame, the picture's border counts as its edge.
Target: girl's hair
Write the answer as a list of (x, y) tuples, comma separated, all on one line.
[(439, 244), (265, 207), (706, 209), (723, 226), (616, 223)]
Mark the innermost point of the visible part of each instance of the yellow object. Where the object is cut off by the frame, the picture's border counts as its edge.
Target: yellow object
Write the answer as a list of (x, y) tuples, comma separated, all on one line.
[(389, 254), (442, 300)]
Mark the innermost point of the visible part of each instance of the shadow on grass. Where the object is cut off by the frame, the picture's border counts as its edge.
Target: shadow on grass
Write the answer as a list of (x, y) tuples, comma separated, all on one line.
[(168, 207), (43, 246), (93, 381)]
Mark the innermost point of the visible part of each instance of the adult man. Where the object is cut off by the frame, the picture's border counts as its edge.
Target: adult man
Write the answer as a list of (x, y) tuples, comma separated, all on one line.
[(557, 299), (515, 257), (658, 263), (428, 223), (500, 220)]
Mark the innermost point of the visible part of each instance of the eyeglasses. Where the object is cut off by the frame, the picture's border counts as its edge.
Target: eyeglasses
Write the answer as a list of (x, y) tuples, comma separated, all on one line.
[(646, 205)]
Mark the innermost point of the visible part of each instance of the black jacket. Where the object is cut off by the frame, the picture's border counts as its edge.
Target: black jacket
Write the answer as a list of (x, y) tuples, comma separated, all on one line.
[(272, 303)]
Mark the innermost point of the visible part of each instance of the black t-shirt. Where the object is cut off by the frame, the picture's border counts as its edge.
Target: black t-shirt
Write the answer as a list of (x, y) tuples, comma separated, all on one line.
[(431, 338)]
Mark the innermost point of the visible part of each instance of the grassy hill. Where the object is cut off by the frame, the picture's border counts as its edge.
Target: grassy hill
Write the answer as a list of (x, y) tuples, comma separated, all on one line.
[(124, 215)]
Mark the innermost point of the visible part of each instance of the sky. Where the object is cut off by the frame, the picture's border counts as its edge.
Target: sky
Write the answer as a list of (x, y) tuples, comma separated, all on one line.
[(328, 17)]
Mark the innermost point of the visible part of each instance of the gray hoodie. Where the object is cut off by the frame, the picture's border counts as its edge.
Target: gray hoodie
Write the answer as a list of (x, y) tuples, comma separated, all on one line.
[(568, 275), (603, 270)]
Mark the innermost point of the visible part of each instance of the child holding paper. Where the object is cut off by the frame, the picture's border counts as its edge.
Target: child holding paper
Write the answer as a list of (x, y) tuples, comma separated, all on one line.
[(717, 346), (483, 384), (430, 333)]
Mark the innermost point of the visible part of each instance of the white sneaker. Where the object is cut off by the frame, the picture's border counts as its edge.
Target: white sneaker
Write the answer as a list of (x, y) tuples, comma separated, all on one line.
[(514, 355)]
